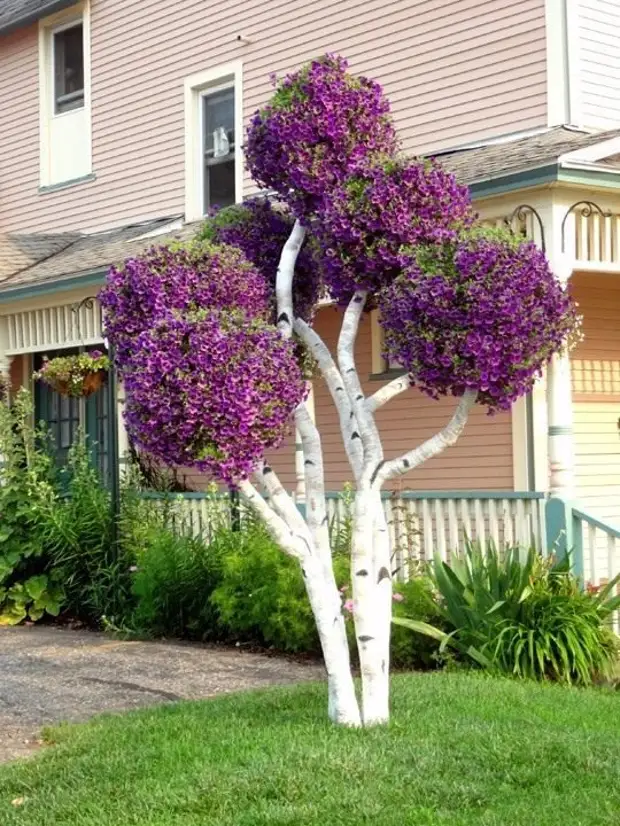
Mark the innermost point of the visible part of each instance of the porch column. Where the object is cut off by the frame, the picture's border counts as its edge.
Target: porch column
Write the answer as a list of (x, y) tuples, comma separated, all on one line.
[(560, 417), (5, 361)]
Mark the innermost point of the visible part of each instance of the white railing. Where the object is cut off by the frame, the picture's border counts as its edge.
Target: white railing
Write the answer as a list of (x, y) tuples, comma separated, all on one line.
[(52, 328), (420, 524), (597, 552)]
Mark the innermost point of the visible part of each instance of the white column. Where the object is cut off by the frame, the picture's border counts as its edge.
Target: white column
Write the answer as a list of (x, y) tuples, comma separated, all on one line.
[(560, 415), (5, 361)]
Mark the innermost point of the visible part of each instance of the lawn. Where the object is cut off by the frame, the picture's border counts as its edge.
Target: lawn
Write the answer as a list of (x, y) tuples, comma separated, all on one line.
[(462, 749)]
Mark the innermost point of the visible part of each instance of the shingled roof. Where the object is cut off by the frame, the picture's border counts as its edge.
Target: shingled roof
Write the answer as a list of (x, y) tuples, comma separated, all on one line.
[(483, 163), (14, 14)]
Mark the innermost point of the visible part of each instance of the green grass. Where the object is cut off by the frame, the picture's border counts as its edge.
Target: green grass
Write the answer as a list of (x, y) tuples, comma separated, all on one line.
[(462, 749)]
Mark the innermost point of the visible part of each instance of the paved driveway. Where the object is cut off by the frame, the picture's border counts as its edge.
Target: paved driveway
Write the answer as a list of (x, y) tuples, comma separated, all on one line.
[(48, 675)]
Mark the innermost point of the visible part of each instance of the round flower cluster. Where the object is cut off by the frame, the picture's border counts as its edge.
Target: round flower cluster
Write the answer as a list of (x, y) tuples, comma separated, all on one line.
[(212, 390), (167, 280), (369, 222), (485, 314), (260, 230), (320, 124)]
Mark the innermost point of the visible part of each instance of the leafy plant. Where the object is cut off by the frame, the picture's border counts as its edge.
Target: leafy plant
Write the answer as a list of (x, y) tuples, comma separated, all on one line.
[(28, 589), (75, 523), (524, 615), (76, 375)]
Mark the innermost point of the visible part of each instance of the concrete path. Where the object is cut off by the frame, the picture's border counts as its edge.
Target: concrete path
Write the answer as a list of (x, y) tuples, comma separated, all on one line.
[(49, 675)]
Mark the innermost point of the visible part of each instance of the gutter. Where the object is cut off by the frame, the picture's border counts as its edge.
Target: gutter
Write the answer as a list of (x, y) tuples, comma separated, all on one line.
[(97, 277), (35, 15)]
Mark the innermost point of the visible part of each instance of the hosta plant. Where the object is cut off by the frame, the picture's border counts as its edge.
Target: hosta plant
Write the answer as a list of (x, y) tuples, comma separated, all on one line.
[(519, 613)]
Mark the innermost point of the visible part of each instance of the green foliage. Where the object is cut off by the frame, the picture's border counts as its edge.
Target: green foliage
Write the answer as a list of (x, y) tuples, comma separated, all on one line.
[(174, 579), (409, 650), (27, 589), (524, 615), (75, 523), (262, 597)]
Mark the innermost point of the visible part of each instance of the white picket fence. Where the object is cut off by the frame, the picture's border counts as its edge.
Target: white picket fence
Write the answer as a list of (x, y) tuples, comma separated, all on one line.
[(420, 524)]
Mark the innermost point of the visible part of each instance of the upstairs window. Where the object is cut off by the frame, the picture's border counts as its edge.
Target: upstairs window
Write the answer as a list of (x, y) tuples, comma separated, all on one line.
[(68, 61), (219, 145)]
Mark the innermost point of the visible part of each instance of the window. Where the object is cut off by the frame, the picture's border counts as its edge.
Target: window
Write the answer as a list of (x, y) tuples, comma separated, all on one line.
[(68, 50), (64, 97), (380, 365), (219, 148), (213, 127)]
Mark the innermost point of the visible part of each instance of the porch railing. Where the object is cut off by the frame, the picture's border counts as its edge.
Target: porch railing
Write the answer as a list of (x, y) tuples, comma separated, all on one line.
[(420, 523)]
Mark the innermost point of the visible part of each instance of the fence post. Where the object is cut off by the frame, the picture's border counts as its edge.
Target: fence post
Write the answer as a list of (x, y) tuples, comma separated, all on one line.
[(559, 522)]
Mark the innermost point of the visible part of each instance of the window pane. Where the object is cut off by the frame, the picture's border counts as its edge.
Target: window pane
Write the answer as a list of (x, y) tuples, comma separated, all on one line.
[(219, 148), (69, 69), (219, 123), (220, 184)]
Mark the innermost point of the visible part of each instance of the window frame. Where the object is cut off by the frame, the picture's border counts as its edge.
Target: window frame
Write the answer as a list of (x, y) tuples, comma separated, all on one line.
[(196, 88), (51, 34)]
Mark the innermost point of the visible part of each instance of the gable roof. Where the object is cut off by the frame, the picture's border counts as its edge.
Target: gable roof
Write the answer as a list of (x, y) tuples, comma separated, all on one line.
[(14, 14), (483, 163)]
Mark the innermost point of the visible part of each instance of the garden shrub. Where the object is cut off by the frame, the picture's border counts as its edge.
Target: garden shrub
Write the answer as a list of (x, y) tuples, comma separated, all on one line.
[(29, 588), (75, 522), (516, 612), (173, 582), (415, 598)]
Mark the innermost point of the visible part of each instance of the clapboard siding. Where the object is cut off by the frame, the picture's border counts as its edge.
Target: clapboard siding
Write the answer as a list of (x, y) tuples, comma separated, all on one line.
[(599, 62), (457, 70), (480, 460), (596, 391)]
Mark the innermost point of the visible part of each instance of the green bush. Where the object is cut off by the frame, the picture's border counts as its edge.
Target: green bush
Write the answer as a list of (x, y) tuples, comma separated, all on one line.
[(262, 597), (524, 615), (415, 651), (173, 583), (29, 588), (75, 522)]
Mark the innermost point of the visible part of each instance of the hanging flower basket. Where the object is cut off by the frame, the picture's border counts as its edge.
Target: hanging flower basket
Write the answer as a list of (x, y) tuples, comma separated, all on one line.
[(76, 376)]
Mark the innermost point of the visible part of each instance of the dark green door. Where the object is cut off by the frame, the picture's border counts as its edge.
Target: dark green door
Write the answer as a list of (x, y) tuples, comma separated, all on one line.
[(62, 416)]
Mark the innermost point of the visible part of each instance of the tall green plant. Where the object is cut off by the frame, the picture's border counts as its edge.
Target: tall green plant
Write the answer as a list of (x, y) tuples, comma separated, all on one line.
[(28, 588), (524, 615), (76, 526)]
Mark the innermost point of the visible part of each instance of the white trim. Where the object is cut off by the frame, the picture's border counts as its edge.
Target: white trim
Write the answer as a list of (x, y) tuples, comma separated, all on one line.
[(49, 26), (573, 30), (195, 87), (519, 444), (558, 94), (591, 154)]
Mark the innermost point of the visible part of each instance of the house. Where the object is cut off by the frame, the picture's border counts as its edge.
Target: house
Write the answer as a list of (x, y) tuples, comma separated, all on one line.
[(106, 137)]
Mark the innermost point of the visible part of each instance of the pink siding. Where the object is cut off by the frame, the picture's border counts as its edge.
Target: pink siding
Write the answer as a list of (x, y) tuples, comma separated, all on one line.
[(456, 70), (481, 459)]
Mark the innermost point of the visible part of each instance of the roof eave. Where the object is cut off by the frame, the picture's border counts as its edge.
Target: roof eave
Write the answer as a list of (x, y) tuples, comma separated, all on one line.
[(32, 17), (32, 290)]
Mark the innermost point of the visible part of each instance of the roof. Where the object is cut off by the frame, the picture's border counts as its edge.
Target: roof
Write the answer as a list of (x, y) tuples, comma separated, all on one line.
[(482, 163), (43, 259), (36, 262), (14, 14)]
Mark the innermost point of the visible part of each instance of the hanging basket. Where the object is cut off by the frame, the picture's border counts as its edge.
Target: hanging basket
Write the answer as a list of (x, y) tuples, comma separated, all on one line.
[(75, 376), (91, 382)]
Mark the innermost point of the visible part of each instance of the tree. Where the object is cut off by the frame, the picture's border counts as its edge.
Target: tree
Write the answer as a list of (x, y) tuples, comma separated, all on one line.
[(213, 377)]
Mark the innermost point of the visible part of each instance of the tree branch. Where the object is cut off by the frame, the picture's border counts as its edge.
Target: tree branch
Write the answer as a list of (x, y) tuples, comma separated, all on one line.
[(280, 500), (386, 393), (431, 447), (346, 360), (335, 384), (284, 279), (281, 532)]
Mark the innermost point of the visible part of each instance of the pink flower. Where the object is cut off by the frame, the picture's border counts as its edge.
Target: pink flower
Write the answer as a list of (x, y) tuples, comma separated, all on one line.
[(398, 597), (348, 605)]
